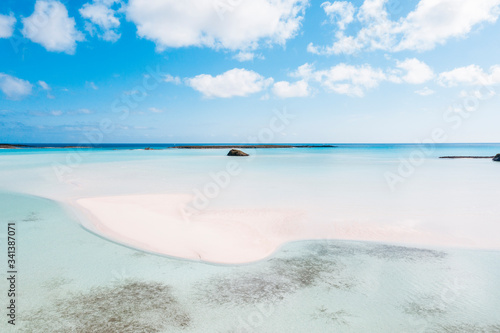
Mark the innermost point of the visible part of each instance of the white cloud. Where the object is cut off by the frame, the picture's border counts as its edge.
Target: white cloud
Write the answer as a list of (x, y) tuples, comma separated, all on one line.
[(342, 78), (371, 9), (233, 25), (286, 89), (56, 113), (417, 72), (305, 71), (425, 91), (351, 80), (173, 79), (101, 17), (340, 11), (7, 23), (44, 85), (235, 82), (356, 80), (244, 56), (50, 26), (13, 87), (494, 76), (471, 75), (376, 32), (433, 22), (345, 79)]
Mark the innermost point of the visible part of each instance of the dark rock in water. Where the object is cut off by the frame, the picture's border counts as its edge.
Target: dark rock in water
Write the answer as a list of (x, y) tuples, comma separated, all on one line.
[(497, 158), (148, 148), (236, 152)]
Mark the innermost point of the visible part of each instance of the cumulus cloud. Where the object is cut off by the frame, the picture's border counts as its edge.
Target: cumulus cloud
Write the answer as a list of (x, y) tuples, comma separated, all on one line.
[(417, 72), (355, 80), (344, 44), (235, 82), (351, 80), (341, 12), (244, 56), (240, 25), (7, 23), (342, 78), (471, 75), (101, 19), (286, 89), (433, 22), (172, 79), (13, 87), (50, 26)]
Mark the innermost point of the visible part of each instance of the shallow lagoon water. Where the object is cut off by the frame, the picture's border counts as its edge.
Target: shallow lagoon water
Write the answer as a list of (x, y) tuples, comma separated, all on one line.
[(71, 280)]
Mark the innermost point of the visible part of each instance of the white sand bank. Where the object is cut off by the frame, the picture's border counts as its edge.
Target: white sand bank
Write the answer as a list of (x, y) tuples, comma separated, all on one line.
[(166, 224)]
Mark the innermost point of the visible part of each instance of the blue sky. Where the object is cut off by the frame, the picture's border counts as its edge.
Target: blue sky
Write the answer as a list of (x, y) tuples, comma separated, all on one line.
[(165, 71)]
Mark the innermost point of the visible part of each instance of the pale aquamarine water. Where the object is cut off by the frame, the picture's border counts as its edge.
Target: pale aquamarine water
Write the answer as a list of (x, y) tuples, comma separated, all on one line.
[(71, 280)]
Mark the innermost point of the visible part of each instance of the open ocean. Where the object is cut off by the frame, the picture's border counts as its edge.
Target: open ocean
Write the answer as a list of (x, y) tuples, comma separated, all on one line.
[(73, 280)]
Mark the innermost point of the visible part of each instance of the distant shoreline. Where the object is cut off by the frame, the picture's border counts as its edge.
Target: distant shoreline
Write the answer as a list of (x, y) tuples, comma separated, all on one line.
[(9, 146), (467, 157), (249, 146)]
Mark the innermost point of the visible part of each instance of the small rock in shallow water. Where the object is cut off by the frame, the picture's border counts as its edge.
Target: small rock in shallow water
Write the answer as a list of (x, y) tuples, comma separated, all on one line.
[(236, 152)]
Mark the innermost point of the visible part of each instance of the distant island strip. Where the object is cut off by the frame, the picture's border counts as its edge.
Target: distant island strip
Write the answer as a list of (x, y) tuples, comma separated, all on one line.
[(16, 146), (467, 156), (9, 146), (495, 158), (252, 146)]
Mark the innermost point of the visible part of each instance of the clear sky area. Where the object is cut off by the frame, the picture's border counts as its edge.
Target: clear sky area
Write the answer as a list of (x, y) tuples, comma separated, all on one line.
[(169, 71)]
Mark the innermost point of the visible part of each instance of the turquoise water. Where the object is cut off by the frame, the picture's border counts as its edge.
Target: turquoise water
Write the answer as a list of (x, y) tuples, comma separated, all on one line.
[(71, 280)]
